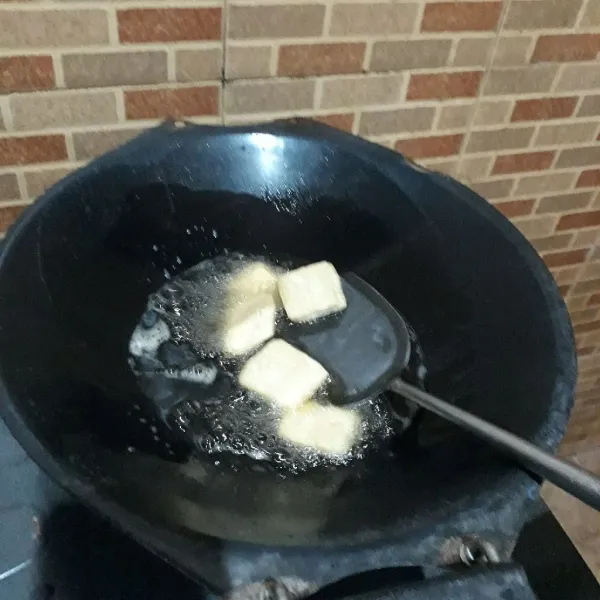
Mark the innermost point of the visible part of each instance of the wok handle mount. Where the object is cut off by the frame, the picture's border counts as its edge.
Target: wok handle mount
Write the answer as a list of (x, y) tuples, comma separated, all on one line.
[(575, 480)]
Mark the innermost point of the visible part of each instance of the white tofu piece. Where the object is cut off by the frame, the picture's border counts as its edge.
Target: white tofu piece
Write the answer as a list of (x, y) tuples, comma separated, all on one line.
[(311, 292), (282, 374), (254, 279), (327, 429), (248, 323)]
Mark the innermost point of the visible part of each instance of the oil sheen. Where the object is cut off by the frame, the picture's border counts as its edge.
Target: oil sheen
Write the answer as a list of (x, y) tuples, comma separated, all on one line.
[(176, 354)]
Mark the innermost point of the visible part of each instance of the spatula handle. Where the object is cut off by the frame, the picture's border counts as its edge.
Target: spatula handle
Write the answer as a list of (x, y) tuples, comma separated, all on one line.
[(572, 479)]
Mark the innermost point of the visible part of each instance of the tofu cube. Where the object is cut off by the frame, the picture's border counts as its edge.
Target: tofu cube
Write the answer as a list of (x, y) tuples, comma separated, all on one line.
[(311, 292), (327, 429), (248, 323), (282, 374), (254, 279)]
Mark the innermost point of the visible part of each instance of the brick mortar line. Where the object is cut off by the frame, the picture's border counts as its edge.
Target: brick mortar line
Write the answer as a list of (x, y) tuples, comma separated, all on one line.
[(22, 185), (110, 49), (99, 127), (224, 52), (83, 91), (59, 74), (339, 77), (581, 13), (98, 6)]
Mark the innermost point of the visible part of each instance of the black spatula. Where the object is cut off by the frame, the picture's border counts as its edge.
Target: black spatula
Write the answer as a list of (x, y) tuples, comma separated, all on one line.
[(366, 348)]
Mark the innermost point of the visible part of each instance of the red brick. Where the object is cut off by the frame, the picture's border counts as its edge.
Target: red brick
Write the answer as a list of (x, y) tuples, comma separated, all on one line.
[(564, 290), (141, 25), (461, 16), (584, 327), (299, 60), (590, 178), (562, 259), (543, 109), (343, 121), (515, 208), (18, 73), (8, 214), (428, 147), (564, 48), (579, 220), (444, 85), (518, 163), (32, 149), (183, 102), (594, 299)]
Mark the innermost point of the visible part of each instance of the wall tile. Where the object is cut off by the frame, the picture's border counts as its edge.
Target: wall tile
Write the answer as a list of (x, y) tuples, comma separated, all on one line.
[(114, 68), (409, 54), (400, 120), (24, 73), (37, 182), (564, 202), (373, 19), (564, 48), (441, 86), (357, 91), (512, 51), (9, 187), (525, 161), (499, 139), (90, 144), (200, 64), (543, 109), (491, 190), (455, 116), (571, 133), (461, 16), (52, 28), (32, 149), (427, 147), (301, 60), (63, 109), (275, 21), (245, 62), (266, 96), (163, 103), (527, 80), (533, 14), (544, 184), (142, 25), (473, 52)]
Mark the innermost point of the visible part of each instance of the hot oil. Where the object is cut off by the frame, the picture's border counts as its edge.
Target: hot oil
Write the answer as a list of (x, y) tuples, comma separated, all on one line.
[(195, 386)]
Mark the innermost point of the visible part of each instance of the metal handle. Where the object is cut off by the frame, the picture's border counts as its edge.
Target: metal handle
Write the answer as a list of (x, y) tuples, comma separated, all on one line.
[(576, 481)]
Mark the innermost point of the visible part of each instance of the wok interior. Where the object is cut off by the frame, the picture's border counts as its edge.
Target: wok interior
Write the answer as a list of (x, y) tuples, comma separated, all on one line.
[(77, 273)]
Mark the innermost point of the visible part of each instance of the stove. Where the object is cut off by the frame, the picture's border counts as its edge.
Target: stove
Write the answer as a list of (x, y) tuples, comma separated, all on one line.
[(53, 548)]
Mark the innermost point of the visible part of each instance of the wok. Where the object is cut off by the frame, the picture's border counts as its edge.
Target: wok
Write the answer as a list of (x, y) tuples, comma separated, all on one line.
[(77, 267)]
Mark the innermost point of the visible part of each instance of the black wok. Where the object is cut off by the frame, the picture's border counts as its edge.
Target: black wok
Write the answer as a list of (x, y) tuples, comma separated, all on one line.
[(75, 272)]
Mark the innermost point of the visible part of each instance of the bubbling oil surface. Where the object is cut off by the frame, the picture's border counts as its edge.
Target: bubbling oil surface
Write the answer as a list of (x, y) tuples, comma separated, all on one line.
[(195, 386)]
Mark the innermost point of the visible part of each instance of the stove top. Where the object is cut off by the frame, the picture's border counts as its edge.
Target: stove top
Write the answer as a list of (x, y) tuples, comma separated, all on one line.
[(52, 548)]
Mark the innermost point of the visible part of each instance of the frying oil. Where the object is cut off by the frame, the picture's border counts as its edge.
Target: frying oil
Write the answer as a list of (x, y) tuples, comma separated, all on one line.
[(176, 354)]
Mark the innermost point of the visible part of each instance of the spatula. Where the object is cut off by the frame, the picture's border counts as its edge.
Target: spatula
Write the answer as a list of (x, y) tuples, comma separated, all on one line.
[(366, 348)]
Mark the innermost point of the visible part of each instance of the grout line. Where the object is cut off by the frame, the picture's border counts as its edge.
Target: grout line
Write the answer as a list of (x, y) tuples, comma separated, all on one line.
[(484, 79), (581, 13), (113, 26), (59, 73), (6, 115), (224, 52), (171, 68), (121, 112), (274, 59), (22, 184), (70, 145)]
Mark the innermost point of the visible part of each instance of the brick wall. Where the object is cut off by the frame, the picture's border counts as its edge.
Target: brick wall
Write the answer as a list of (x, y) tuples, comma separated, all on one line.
[(504, 95)]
